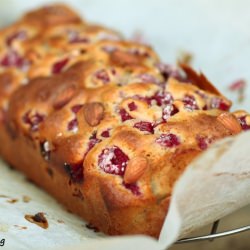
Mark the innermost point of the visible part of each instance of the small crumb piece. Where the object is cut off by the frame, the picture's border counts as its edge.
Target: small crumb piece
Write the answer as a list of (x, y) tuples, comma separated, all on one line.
[(38, 219), (12, 200), (4, 196), (20, 227), (26, 199), (60, 221), (91, 227)]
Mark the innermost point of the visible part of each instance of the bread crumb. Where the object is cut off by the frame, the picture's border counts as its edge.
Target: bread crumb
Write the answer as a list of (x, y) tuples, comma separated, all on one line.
[(26, 199), (39, 219), (12, 200), (20, 227), (4, 196), (91, 227)]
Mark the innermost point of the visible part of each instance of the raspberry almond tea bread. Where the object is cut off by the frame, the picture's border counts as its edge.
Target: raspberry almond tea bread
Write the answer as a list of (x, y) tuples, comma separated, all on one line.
[(100, 122)]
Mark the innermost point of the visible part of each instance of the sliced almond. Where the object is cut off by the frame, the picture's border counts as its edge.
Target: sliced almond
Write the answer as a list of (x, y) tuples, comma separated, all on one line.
[(93, 113), (135, 169), (64, 97), (230, 122), (39, 219), (123, 59)]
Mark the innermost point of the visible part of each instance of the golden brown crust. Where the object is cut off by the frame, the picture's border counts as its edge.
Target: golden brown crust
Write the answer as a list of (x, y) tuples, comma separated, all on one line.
[(52, 15), (100, 122)]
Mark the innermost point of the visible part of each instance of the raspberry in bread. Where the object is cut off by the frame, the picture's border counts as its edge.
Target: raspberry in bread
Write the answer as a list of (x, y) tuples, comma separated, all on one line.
[(100, 122)]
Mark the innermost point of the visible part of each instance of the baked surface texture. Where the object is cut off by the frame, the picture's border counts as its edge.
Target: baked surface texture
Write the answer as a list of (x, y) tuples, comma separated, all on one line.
[(100, 122)]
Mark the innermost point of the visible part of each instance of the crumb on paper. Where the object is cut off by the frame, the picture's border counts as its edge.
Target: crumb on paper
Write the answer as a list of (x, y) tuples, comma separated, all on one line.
[(91, 227), (239, 87), (20, 227), (60, 221), (39, 219), (4, 196), (185, 57), (4, 228), (12, 201), (26, 199)]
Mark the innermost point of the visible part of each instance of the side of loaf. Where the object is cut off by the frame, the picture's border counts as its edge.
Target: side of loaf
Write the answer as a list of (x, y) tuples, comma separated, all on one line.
[(100, 122)]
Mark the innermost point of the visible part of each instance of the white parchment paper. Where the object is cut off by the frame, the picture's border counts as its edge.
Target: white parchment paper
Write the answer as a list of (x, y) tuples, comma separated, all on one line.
[(217, 33)]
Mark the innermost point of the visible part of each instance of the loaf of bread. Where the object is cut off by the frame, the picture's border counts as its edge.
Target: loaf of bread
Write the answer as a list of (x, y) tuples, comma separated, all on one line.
[(100, 122)]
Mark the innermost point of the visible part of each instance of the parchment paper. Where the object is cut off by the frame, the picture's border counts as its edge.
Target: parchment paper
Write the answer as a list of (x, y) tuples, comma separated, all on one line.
[(217, 33)]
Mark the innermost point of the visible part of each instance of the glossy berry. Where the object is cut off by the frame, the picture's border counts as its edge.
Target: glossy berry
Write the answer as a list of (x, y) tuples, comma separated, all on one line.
[(75, 171), (113, 161), (133, 188), (203, 142), (105, 133), (168, 111), (132, 106), (162, 98), (33, 120), (144, 126), (93, 140), (190, 103), (218, 103), (76, 108), (73, 125), (13, 59), (168, 140), (102, 75), (243, 123), (58, 66), (125, 115)]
